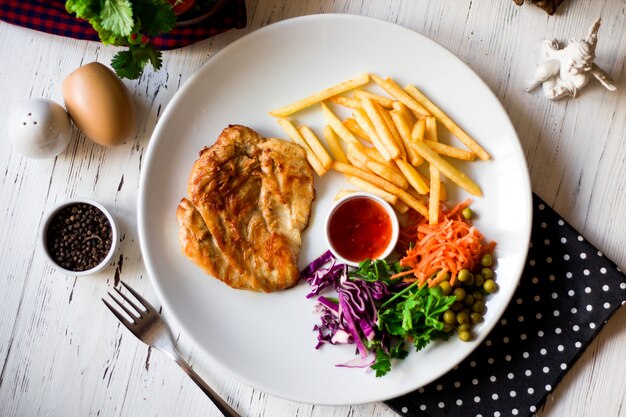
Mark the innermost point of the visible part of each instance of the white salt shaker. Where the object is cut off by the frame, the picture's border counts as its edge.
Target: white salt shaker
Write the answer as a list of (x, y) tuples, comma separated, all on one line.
[(39, 128)]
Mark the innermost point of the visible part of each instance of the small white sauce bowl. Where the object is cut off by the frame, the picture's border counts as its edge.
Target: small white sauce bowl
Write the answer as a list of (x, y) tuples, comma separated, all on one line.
[(46, 225), (393, 217)]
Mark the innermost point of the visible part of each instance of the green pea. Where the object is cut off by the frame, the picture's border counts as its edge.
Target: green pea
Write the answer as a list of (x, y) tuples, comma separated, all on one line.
[(479, 280), (446, 288), (476, 318), (456, 306), (487, 273), (463, 275), (464, 326), (459, 293), (465, 335), (467, 213), (449, 317), (486, 260), (490, 286), (468, 300), (448, 327), (478, 296), (478, 307), (462, 317), (470, 281)]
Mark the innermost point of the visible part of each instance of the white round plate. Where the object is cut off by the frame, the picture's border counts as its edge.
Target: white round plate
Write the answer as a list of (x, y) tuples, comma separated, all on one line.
[(266, 340)]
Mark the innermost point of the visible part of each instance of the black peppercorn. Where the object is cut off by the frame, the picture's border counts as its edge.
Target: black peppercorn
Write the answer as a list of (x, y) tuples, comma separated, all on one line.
[(79, 237)]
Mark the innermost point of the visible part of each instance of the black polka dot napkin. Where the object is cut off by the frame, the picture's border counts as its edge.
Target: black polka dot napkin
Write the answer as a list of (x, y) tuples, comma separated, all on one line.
[(567, 292)]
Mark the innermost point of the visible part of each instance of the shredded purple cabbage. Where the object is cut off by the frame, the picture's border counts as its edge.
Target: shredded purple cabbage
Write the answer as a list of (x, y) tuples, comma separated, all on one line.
[(354, 318), (320, 277), (317, 263)]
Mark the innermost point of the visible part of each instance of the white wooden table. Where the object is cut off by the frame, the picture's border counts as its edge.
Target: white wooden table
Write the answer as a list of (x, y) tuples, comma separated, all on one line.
[(63, 354)]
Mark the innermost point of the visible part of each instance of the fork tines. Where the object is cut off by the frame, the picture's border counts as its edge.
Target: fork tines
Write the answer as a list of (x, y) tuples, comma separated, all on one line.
[(139, 307)]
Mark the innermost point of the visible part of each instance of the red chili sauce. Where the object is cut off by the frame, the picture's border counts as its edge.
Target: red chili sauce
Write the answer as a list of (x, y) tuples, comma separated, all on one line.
[(360, 228)]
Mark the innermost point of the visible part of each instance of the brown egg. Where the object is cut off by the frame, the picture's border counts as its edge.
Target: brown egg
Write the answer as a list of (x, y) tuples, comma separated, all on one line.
[(99, 104)]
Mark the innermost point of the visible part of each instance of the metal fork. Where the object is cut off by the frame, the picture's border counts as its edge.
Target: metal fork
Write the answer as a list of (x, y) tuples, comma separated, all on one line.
[(148, 326)]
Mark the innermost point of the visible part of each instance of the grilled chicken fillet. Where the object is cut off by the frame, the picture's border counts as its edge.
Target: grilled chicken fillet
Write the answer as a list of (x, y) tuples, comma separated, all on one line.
[(249, 200)]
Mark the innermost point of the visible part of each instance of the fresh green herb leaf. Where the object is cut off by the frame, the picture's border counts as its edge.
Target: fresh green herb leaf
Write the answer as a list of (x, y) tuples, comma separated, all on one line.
[(127, 23), (415, 313), (146, 53), (398, 295), (106, 36), (83, 9), (382, 363), (155, 16), (130, 63), (117, 16), (378, 270), (125, 65)]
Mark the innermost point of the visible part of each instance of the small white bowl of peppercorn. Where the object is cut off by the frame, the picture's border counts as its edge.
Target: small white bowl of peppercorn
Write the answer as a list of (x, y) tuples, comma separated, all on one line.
[(79, 236)]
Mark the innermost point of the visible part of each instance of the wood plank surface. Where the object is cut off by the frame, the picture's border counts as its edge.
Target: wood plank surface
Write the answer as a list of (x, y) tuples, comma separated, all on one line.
[(61, 354)]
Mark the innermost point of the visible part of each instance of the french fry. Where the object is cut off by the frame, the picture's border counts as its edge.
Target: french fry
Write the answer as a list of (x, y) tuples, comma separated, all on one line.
[(354, 160), (451, 172), (337, 126), (383, 101), (354, 127), (321, 95), (413, 202), (435, 176), (334, 145), (407, 198), (373, 153), (448, 122), (400, 207), (394, 90), (363, 120), (393, 130), (380, 169), (431, 130), (343, 193), (434, 198), (381, 128), (295, 136), (443, 192), (451, 151), (402, 126), (402, 108), (419, 129), (371, 188), (316, 146), (413, 176), (345, 101)]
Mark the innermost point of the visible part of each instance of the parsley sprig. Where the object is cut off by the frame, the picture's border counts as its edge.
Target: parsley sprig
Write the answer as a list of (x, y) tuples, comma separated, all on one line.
[(411, 315), (128, 23)]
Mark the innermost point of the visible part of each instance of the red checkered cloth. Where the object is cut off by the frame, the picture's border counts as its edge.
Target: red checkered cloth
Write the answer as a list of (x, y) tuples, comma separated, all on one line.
[(51, 17)]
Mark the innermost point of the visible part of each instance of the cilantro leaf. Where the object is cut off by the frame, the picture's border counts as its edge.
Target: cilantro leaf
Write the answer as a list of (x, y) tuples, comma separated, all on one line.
[(415, 313), (117, 17), (378, 270), (155, 16), (107, 37), (146, 53), (127, 23), (382, 363), (125, 66), (84, 9), (129, 64)]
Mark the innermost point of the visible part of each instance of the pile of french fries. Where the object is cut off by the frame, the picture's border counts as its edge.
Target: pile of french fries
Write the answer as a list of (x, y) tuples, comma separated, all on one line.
[(384, 145)]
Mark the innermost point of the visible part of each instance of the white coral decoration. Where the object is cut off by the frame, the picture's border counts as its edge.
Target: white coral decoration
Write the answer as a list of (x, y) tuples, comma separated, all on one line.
[(566, 70)]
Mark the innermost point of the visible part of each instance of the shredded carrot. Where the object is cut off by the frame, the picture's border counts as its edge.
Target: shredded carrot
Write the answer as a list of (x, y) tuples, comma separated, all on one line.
[(445, 248)]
